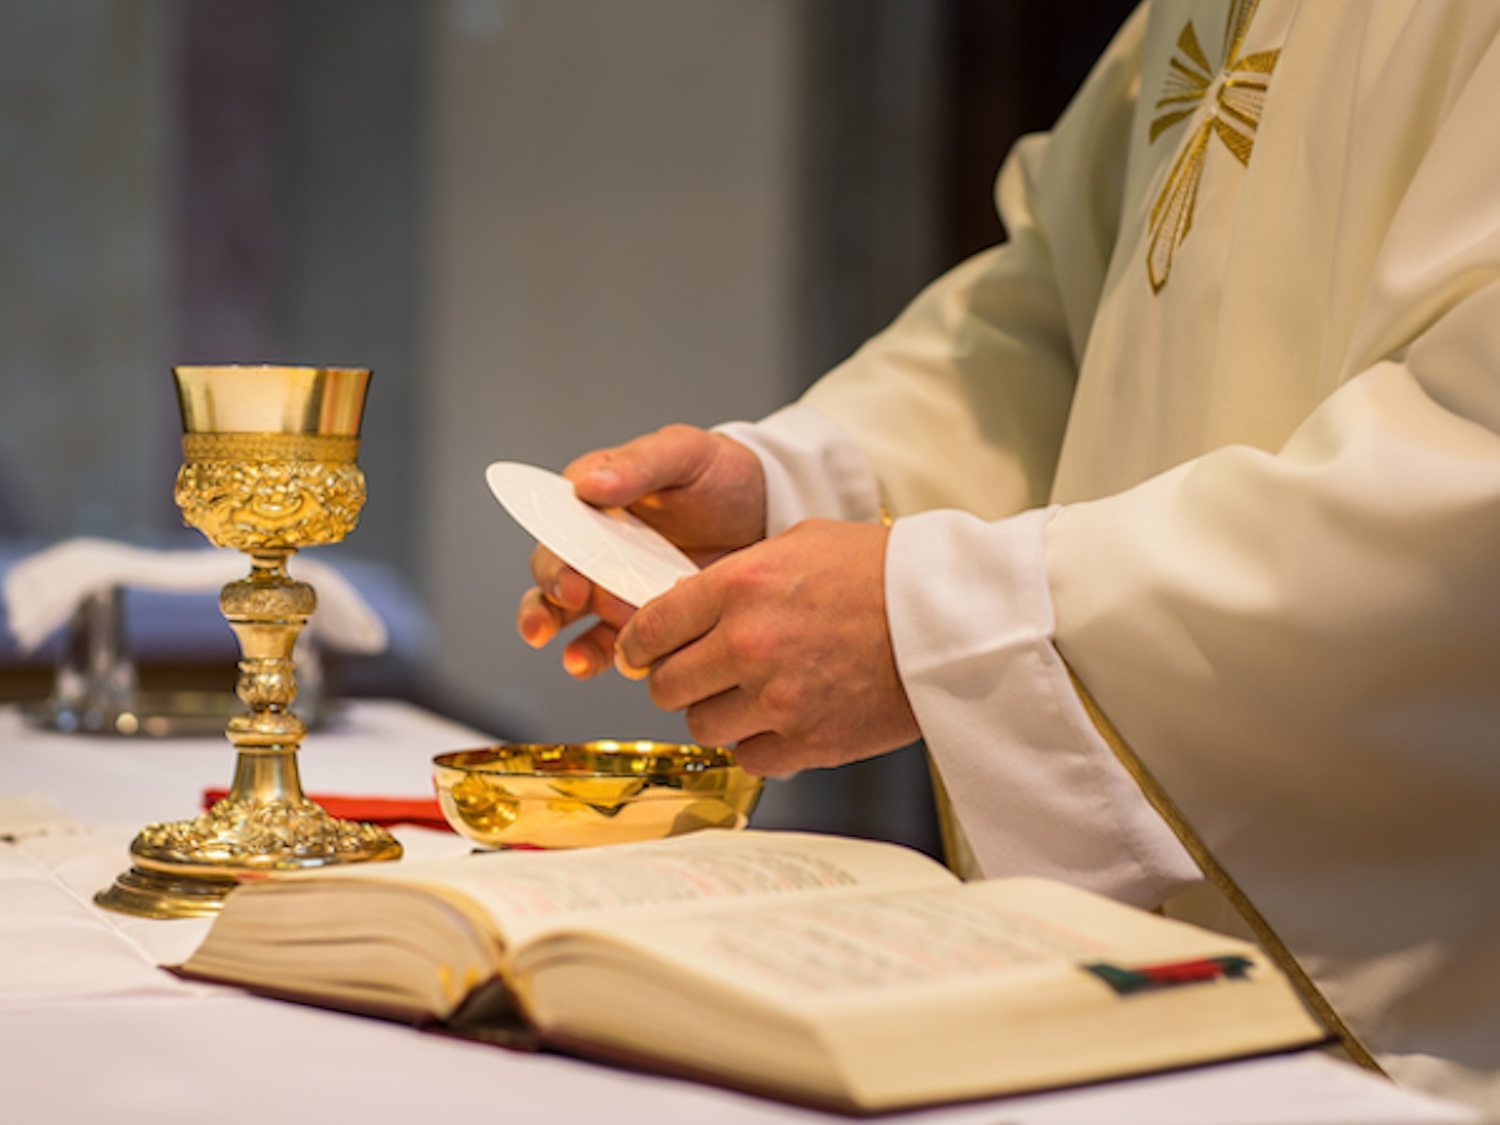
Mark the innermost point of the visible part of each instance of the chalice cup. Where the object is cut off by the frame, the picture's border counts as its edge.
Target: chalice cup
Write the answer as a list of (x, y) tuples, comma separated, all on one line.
[(268, 468)]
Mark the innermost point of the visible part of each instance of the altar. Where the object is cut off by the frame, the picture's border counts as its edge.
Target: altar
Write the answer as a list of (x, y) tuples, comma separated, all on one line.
[(92, 1029)]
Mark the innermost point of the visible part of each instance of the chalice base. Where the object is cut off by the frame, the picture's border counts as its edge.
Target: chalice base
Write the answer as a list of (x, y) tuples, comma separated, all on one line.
[(151, 894), (186, 868)]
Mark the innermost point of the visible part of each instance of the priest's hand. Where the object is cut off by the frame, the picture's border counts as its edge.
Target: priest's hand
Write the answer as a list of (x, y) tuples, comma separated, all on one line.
[(703, 491), (781, 649)]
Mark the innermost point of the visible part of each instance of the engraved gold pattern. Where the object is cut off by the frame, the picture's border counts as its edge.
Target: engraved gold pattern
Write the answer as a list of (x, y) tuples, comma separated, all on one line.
[(258, 835), (1227, 99), (257, 504), (269, 447)]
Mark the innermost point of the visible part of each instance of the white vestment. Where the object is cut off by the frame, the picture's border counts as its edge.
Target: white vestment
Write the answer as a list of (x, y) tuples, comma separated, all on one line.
[(1220, 423)]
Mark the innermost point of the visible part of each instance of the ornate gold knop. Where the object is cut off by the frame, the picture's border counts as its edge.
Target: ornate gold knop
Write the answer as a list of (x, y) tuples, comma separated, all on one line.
[(1233, 92)]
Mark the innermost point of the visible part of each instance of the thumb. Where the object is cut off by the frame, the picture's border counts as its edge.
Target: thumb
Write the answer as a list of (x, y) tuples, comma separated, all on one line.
[(616, 478)]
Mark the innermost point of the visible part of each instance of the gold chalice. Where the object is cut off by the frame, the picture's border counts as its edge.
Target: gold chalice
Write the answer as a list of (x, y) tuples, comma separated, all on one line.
[(268, 467)]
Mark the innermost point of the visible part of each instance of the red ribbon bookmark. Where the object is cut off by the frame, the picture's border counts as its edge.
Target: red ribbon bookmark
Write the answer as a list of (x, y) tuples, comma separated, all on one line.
[(1125, 981)]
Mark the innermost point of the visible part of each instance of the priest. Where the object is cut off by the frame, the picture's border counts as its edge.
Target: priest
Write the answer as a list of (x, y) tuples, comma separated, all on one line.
[(1172, 525)]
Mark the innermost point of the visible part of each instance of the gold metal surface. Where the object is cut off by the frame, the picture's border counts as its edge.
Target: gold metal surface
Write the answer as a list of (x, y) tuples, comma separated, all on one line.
[(580, 794), (268, 494), (278, 474), (250, 399)]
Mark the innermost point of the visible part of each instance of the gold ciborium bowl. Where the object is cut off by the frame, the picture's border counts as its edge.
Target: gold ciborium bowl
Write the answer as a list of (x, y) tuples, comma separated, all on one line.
[(580, 794)]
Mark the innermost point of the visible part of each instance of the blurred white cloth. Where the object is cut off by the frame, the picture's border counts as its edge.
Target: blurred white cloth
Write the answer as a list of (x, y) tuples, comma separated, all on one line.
[(43, 590), (24, 818)]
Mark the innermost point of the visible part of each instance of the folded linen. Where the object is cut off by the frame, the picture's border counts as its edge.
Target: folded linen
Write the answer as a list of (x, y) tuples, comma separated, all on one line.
[(43, 591)]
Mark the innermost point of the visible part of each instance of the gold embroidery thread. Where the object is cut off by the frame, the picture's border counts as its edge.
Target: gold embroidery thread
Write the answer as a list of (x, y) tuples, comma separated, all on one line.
[(1234, 94)]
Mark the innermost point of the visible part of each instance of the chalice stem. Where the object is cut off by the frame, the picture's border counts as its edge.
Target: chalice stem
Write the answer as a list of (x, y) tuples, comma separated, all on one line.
[(260, 777), (266, 611)]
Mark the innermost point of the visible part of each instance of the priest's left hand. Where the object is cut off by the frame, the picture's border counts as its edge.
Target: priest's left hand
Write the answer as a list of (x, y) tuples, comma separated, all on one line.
[(781, 649)]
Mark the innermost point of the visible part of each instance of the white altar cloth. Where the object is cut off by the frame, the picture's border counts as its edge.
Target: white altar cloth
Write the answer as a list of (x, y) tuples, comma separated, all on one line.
[(91, 1030)]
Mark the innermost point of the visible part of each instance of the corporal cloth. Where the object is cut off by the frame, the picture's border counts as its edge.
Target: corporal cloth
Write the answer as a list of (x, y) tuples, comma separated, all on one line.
[(1220, 424)]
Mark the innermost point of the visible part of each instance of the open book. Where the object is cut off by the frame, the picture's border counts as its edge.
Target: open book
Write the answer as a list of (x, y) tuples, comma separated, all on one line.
[(831, 971)]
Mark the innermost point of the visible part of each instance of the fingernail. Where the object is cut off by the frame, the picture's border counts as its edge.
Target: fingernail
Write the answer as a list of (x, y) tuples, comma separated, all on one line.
[(534, 633), (628, 670), (577, 664)]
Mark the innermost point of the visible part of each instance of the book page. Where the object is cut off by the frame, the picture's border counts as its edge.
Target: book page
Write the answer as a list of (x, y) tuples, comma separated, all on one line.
[(955, 935), (876, 943), (529, 893)]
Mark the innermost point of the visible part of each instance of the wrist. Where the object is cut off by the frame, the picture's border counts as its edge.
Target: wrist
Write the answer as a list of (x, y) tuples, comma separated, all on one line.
[(811, 468)]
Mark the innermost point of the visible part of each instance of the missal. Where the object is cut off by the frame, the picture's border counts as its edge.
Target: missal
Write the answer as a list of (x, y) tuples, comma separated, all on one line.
[(841, 973)]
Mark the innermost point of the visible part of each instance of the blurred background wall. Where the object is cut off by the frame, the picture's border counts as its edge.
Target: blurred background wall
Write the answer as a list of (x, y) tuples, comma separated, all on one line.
[(549, 225)]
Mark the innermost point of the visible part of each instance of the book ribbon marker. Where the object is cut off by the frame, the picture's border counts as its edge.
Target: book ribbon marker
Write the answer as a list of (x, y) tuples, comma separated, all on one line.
[(1126, 981)]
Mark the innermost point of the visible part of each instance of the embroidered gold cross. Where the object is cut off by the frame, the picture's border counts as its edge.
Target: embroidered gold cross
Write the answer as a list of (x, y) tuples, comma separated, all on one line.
[(1233, 93)]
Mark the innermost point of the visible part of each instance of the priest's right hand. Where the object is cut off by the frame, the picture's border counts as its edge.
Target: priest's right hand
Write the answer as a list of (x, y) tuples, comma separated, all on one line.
[(703, 491)]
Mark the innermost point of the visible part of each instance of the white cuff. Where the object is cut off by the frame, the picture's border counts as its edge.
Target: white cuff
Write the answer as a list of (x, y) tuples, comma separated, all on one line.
[(813, 468), (1033, 784)]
